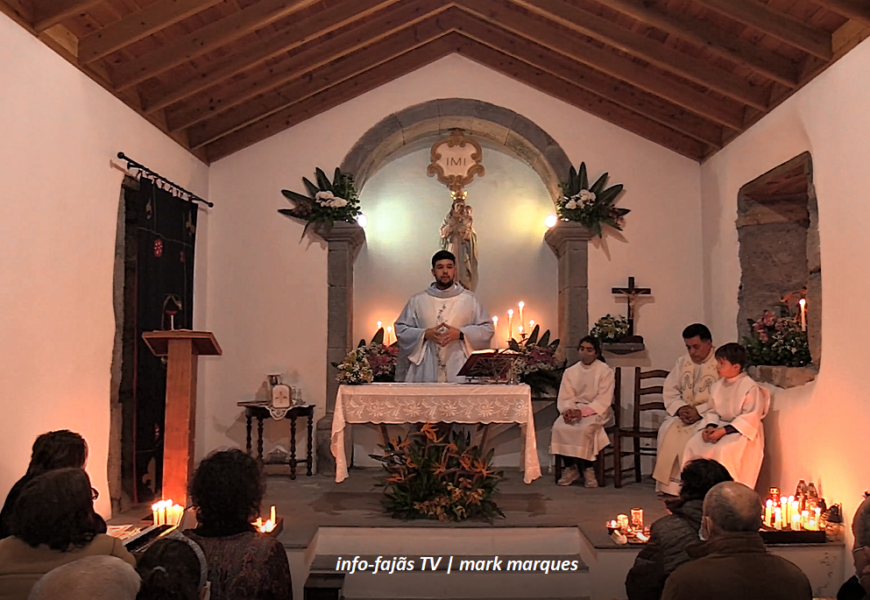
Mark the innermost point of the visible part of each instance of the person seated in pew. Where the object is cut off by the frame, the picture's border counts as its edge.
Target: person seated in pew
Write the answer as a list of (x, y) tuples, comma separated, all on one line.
[(732, 431), (584, 405), (174, 568), (857, 587), (90, 578)]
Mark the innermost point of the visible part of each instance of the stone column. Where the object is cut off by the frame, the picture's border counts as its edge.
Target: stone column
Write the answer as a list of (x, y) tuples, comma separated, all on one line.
[(344, 242), (814, 279), (570, 243)]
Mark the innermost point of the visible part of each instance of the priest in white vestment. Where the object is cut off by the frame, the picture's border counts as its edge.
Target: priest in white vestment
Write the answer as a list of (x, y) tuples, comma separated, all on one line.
[(686, 397), (584, 404), (733, 434), (440, 327)]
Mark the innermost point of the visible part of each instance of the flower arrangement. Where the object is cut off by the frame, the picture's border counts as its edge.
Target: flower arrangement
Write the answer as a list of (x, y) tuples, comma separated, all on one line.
[(538, 365), (610, 329), (327, 201), (430, 478), (381, 357), (778, 340), (354, 369), (590, 205)]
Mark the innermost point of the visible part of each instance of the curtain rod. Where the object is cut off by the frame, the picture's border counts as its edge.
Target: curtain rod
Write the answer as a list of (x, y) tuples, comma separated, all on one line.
[(136, 165)]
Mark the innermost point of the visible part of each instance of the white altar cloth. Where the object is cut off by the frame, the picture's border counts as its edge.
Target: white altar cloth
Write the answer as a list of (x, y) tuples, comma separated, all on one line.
[(432, 403)]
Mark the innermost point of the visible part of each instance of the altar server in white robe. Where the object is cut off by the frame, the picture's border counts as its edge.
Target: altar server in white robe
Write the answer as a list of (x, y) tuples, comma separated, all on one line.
[(686, 396), (584, 405), (733, 434), (440, 327)]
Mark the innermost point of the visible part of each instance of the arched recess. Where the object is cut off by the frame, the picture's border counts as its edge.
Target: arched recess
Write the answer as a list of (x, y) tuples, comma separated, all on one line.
[(477, 118)]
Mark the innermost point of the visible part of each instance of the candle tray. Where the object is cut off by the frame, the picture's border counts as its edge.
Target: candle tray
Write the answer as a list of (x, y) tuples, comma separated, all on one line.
[(773, 536)]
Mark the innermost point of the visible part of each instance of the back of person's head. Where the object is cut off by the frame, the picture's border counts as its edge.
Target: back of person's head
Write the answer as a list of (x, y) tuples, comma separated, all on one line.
[(733, 508), (699, 476), (861, 524), (89, 578), (57, 509), (698, 330), (226, 490), (733, 353), (173, 568), (57, 450), (443, 255)]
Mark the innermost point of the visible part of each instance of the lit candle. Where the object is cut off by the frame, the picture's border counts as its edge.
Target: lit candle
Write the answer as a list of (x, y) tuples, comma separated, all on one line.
[(510, 324), (155, 514), (389, 335), (783, 505), (812, 524), (495, 328), (522, 320), (380, 324), (818, 512), (272, 515), (796, 521), (531, 324), (637, 519), (520, 330), (777, 518), (803, 304), (795, 510), (768, 512), (622, 522)]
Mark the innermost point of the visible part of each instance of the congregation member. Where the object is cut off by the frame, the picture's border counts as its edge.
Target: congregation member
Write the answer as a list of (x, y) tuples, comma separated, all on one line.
[(89, 578), (673, 534), (440, 327), (732, 430), (174, 568), (585, 408), (733, 562), (857, 587), (53, 450), (226, 492), (53, 524), (686, 396)]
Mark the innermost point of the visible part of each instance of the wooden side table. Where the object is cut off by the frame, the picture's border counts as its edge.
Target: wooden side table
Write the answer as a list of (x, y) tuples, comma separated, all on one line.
[(260, 411)]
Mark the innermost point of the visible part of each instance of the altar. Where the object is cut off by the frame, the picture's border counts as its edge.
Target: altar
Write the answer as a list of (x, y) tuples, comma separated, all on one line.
[(400, 403)]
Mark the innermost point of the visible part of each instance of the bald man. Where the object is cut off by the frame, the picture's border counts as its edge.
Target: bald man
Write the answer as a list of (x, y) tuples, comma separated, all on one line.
[(734, 563), (858, 586)]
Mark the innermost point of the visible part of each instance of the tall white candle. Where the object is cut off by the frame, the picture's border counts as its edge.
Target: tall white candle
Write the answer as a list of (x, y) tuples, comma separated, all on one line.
[(389, 335), (495, 327), (522, 319), (272, 514), (510, 323), (803, 304)]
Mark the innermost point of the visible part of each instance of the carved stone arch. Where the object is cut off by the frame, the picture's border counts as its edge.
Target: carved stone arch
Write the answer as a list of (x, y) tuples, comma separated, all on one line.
[(480, 119)]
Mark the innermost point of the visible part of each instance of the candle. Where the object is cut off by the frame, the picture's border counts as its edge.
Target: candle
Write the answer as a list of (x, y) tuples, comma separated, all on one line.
[(813, 525), (795, 510), (380, 324), (796, 521), (777, 518), (522, 320), (768, 512), (520, 330), (803, 304), (389, 335), (637, 519), (272, 515), (818, 514), (154, 514), (495, 328), (622, 522), (611, 526), (783, 506), (531, 324), (510, 324), (805, 518)]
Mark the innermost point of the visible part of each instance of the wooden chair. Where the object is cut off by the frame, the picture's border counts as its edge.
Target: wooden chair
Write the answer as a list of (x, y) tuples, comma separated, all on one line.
[(635, 432), (601, 468)]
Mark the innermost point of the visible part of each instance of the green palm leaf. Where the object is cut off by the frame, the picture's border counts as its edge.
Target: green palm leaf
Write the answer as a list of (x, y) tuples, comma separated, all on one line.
[(583, 180), (598, 186), (322, 180), (312, 189)]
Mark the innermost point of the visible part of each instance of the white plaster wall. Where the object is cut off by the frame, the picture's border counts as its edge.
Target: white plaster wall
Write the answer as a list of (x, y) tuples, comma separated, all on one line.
[(58, 215), (267, 289), (813, 432)]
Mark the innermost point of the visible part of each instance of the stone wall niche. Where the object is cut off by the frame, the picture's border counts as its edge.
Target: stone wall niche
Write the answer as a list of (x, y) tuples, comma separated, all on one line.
[(778, 230)]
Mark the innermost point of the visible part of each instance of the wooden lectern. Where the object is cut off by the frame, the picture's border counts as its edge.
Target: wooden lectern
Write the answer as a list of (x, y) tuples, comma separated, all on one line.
[(179, 430)]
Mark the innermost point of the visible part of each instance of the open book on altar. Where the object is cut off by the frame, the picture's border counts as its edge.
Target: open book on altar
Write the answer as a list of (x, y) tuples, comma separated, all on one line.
[(489, 365)]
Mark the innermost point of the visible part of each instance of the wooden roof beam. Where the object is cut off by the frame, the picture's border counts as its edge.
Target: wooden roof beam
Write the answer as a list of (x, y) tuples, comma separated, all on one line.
[(585, 101), (689, 67), (137, 26), (307, 57), (204, 39), (334, 96), (775, 23), (48, 13), (706, 35), (542, 32), (593, 81), (319, 80), (858, 10)]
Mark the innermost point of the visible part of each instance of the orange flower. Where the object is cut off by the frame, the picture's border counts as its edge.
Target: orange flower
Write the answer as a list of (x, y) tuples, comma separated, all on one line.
[(410, 462), (480, 467), (465, 461), (430, 431)]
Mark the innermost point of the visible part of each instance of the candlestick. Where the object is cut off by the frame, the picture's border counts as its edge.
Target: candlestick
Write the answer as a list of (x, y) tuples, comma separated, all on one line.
[(495, 328), (803, 304), (510, 324), (522, 319)]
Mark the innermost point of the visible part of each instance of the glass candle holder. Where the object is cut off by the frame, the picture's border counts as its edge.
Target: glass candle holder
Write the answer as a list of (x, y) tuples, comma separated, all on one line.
[(622, 522), (637, 519), (611, 527)]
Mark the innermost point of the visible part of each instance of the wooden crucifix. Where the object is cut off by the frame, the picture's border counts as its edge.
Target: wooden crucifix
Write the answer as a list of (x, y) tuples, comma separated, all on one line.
[(632, 293)]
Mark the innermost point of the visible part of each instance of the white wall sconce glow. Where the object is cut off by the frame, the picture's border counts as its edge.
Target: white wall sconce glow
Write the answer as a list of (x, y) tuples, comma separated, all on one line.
[(550, 221), (361, 220)]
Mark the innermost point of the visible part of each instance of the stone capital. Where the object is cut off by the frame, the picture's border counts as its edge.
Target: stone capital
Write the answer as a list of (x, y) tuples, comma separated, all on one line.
[(341, 234), (558, 236)]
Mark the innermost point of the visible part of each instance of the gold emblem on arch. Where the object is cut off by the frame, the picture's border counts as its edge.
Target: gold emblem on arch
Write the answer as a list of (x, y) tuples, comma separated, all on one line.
[(455, 160)]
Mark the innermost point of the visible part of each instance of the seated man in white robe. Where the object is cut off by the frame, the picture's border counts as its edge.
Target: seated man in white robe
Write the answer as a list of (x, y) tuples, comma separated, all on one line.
[(686, 394), (733, 434), (584, 405), (440, 327)]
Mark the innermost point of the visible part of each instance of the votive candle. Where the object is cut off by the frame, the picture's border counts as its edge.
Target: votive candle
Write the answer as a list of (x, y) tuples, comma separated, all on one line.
[(622, 522), (777, 518)]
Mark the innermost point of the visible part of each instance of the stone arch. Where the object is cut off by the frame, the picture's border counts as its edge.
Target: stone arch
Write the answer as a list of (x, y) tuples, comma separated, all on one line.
[(526, 139)]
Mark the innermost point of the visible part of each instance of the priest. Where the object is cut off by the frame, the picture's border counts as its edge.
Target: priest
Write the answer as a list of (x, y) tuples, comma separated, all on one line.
[(686, 397), (440, 327)]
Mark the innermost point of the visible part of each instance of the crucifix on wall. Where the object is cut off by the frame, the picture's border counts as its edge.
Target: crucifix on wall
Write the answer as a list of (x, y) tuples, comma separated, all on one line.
[(632, 292)]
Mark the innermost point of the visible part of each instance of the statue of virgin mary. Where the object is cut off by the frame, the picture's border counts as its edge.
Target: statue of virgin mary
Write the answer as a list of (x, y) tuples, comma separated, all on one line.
[(458, 236)]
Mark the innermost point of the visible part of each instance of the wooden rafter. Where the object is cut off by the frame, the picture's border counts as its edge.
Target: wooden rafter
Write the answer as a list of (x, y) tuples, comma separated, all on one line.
[(202, 40), (321, 79), (706, 35), (859, 10), (586, 101), (48, 13), (312, 55), (591, 80), (539, 31), (690, 67), (775, 23), (334, 96), (138, 25)]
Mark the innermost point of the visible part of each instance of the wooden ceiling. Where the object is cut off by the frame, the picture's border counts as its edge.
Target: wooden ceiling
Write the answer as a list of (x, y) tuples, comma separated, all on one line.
[(221, 75)]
